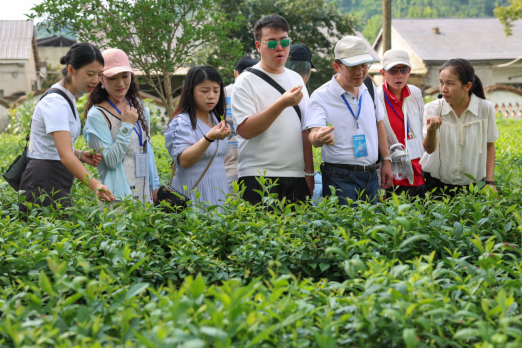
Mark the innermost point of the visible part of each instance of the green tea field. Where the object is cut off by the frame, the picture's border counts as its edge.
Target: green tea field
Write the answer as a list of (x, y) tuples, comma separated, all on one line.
[(424, 273)]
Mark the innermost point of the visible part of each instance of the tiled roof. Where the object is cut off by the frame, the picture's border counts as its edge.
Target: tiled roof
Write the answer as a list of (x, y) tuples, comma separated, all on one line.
[(468, 38), (16, 39)]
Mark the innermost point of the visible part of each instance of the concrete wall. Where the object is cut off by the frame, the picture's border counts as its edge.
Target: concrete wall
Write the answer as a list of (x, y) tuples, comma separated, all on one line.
[(504, 97), (52, 54), (4, 119)]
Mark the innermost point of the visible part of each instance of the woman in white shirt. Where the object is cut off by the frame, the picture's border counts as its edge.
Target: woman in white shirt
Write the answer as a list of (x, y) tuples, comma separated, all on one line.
[(460, 132), (53, 160)]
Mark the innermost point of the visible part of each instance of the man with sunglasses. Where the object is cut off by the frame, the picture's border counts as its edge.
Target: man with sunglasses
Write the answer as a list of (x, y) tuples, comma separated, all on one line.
[(403, 113), (343, 116), (270, 122)]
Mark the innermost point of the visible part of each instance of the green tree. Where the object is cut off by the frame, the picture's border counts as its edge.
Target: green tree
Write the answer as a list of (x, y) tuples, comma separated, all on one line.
[(159, 36), (372, 28), (318, 24), (508, 14)]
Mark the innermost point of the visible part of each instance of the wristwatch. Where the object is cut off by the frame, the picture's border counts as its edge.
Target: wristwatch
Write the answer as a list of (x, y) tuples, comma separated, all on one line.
[(125, 131), (386, 159)]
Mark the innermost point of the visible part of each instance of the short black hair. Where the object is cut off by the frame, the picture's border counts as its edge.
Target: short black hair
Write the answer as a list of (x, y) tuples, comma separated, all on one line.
[(271, 21), (244, 63), (79, 55)]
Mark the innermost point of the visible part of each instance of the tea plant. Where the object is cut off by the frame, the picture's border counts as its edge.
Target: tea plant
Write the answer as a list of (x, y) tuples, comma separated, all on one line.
[(422, 273)]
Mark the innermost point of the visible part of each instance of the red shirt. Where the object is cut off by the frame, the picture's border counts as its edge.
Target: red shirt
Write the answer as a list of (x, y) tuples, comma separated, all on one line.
[(397, 125)]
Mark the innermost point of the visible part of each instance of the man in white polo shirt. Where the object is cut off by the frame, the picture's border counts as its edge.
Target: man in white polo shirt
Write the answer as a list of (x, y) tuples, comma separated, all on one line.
[(270, 119), (343, 116)]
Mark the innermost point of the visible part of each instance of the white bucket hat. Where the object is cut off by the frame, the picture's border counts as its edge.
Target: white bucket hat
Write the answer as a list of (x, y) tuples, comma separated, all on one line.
[(353, 51)]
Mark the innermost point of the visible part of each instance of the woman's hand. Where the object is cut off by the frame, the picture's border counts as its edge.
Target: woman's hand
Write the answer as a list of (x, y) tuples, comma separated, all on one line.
[(93, 160), (433, 123), (102, 192), (129, 114), (221, 131)]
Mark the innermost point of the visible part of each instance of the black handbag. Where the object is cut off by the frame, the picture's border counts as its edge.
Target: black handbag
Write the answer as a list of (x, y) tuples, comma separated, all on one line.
[(13, 174), (174, 198)]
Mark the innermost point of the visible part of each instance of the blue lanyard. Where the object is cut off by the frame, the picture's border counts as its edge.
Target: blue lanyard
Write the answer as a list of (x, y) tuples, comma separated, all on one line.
[(396, 113), (349, 108), (140, 134)]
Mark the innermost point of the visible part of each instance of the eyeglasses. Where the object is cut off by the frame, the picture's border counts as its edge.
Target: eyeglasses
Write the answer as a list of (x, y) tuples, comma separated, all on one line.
[(273, 43), (394, 71), (362, 67)]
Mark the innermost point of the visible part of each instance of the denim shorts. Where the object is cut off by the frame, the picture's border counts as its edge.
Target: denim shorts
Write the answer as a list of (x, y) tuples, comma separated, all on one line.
[(350, 184)]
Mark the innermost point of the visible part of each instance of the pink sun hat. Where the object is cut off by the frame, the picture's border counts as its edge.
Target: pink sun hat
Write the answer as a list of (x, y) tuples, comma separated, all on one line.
[(116, 61)]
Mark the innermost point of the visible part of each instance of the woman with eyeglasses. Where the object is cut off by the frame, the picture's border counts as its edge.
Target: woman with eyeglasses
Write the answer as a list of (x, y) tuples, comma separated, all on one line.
[(403, 120)]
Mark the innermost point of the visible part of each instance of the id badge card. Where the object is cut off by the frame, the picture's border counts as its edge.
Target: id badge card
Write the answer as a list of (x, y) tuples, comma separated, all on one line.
[(359, 144), (414, 148), (141, 165)]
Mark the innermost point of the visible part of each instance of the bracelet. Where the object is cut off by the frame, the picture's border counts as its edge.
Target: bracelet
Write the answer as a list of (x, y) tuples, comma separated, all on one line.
[(309, 174), (386, 159), (80, 155), (490, 182), (210, 141)]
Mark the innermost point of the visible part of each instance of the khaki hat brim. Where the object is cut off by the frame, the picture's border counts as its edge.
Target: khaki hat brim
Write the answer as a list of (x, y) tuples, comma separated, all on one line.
[(391, 65), (361, 59)]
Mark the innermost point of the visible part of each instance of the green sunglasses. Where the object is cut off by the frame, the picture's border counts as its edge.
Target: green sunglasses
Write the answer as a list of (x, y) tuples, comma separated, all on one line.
[(273, 43)]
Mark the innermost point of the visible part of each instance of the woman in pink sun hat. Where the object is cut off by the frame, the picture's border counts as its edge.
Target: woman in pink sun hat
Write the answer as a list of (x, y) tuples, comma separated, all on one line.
[(118, 126)]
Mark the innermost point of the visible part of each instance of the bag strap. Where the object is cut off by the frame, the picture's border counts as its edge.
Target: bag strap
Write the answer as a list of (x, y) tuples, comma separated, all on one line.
[(369, 84), (173, 166), (60, 92), (206, 169), (274, 84)]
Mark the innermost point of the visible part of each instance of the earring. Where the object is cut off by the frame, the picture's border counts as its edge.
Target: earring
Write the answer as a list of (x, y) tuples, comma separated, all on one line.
[(103, 87)]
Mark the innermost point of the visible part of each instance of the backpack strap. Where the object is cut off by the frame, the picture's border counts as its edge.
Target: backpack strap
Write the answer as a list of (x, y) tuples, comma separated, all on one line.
[(369, 84), (274, 84), (60, 92)]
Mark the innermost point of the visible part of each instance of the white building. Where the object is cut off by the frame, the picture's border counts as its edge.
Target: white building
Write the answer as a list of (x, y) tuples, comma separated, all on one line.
[(20, 72), (432, 41)]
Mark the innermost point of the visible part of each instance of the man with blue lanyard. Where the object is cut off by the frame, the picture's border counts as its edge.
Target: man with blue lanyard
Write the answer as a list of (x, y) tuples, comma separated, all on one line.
[(403, 121), (343, 115)]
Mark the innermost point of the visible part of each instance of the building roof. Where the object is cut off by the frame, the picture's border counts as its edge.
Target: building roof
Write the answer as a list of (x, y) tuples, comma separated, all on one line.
[(438, 39), (55, 41), (16, 39)]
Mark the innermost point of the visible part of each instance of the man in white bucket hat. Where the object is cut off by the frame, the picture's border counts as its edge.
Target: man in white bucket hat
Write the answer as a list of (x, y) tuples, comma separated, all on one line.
[(403, 121), (343, 116)]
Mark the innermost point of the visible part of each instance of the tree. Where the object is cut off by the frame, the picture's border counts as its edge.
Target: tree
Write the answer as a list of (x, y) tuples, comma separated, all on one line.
[(159, 36), (508, 14), (318, 24)]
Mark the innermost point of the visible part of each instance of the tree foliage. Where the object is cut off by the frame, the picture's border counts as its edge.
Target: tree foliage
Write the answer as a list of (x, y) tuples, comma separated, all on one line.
[(318, 24), (508, 14), (159, 36)]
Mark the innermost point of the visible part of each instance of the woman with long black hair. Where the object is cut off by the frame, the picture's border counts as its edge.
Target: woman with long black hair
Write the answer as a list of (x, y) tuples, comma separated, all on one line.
[(53, 160), (195, 135), (118, 125), (459, 131)]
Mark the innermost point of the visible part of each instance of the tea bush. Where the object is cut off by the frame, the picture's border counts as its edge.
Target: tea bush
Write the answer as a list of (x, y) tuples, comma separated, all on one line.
[(444, 273)]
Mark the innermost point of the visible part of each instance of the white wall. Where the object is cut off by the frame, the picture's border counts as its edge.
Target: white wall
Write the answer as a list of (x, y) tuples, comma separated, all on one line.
[(4, 119), (504, 97)]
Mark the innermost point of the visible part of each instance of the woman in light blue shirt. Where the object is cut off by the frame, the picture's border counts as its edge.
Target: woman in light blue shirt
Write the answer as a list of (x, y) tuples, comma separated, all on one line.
[(118, 126), (195, 131)]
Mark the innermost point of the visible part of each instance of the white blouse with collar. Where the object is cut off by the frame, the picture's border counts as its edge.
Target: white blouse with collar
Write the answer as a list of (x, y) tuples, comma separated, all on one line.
[(461, 142)]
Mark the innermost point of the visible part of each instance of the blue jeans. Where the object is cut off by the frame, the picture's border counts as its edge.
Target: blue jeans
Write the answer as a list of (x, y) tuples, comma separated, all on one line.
[(349, 184)]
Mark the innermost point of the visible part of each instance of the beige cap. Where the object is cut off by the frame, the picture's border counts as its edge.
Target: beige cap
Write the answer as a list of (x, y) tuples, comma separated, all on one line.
[(395, 57), (352, 51)]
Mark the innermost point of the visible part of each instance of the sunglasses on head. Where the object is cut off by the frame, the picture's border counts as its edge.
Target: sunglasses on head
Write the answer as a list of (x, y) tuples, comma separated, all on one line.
[(273, 43), (403, 70)]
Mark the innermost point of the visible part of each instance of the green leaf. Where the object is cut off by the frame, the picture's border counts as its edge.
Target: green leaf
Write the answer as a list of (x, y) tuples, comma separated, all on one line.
[(413, 239), (136, 289), (324, 266), (44, 283), (410, 337)]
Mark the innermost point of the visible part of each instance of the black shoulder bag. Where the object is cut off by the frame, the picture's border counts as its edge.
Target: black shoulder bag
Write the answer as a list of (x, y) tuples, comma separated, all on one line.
[(274, 84), (177, 199), (13, 174)]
